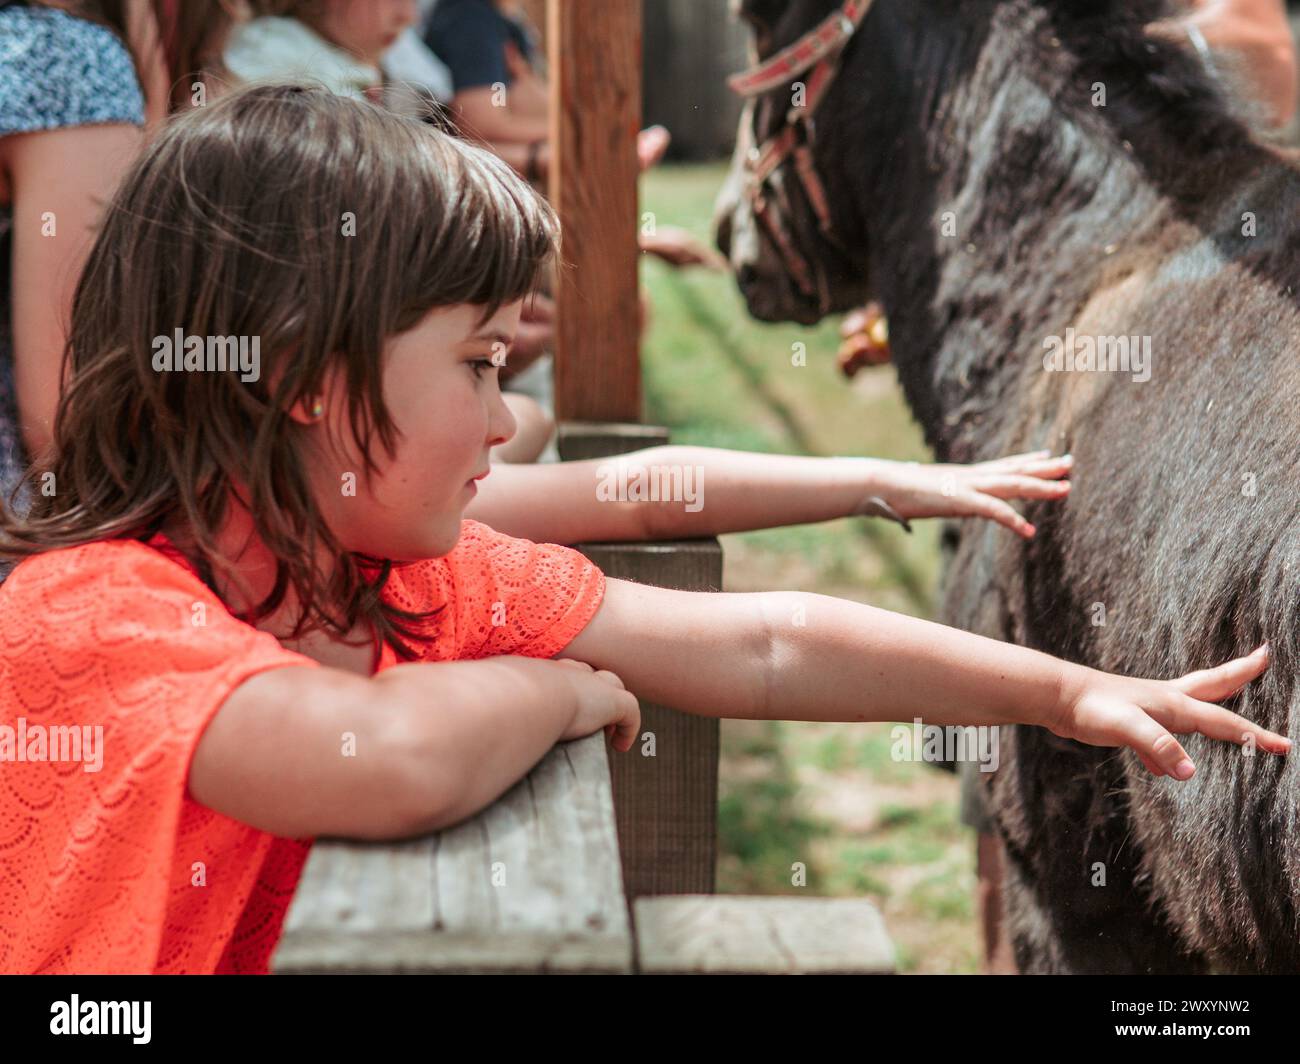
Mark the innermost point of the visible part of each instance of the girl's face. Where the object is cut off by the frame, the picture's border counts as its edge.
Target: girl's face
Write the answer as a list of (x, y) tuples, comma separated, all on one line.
[(441, 388), (367, 28)]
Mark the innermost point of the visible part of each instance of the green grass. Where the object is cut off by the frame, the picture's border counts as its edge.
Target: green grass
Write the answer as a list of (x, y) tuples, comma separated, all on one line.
[(827, 798)]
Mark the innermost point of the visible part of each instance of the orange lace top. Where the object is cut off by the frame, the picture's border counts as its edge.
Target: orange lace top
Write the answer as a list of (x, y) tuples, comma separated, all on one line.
[(107, 864)]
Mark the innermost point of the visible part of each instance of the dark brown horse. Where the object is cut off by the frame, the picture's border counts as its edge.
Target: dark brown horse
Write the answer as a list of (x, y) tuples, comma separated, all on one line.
[(1020, 182)]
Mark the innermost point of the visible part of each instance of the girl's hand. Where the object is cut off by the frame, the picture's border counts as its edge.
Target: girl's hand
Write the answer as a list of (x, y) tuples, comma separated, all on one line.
[(915, 490), (1105, 710), (651, 143), (678, 248), (603, 702)]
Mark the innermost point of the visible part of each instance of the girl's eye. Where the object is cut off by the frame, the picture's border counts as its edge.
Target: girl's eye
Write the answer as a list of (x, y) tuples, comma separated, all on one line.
[(481, 364)]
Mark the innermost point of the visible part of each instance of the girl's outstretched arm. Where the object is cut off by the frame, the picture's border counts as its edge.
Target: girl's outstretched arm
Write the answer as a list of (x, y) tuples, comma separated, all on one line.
[(708, 491), (799, 656)]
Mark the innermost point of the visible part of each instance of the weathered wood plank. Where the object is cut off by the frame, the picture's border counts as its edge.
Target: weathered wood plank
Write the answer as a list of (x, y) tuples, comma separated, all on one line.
[(578, 440), (530, 884), (667, 804), (737, 934), (594, 52)]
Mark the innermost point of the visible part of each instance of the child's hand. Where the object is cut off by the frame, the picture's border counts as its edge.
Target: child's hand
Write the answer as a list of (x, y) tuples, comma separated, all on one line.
[(651, 144), (603, 702), (678, 248), (1105, 710), (915, 490)]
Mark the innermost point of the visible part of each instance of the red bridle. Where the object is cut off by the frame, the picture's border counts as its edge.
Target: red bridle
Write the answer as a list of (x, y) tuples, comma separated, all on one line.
[(820, 50)]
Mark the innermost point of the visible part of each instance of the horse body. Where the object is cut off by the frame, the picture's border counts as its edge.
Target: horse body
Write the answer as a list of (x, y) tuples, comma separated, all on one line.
[(1001, 215)]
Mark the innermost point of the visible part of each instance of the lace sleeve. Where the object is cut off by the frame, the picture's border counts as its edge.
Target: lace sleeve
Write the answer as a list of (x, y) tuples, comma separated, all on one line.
[(113, 659), (501, 595)]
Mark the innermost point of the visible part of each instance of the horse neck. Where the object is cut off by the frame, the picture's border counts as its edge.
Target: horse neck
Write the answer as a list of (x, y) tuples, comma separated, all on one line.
[(992, 227)]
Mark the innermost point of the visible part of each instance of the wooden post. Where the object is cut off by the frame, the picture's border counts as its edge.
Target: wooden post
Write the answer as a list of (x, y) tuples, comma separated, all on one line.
[(535, 12), (594, 49), (666, 805)]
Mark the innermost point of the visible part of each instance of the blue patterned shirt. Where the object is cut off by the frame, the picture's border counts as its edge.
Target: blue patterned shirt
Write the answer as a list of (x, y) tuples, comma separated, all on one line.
[(56, 71)]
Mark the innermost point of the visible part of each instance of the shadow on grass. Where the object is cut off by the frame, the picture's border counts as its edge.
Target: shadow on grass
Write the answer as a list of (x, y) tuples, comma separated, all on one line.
[(762, 831)]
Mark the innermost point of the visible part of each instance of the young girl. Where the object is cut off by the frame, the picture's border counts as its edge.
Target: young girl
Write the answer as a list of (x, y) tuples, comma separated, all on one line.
[(250, 612), (344, 45), (340, 43)]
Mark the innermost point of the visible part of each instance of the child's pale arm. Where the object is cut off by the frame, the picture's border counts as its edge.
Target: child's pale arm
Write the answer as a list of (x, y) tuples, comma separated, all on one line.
[(303, 751), (711, 491), (798, 656)]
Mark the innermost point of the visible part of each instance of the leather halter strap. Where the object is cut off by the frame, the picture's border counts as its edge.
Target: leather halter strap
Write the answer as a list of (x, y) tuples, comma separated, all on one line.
[(819, 49), (824, 39)]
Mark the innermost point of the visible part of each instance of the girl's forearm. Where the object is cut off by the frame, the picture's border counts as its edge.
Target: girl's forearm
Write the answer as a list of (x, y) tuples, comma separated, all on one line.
[(472, 729), (743, 490), (794, 655), (431, 745), (671, 492), (834, 660), (799, 656)]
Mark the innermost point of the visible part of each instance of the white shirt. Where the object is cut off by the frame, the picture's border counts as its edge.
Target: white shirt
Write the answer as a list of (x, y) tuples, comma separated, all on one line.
[(271, 48)]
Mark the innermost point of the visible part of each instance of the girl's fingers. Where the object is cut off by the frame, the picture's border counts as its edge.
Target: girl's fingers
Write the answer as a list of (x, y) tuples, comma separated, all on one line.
[(1151, 766), (1226, 679), (1185, 714), (625, 729), (574, 663), (996, 510), (1156, 746), (1219, 723), (1039, 463), (1021, 487), (611, 678), (1049, 469), (1026, 456)]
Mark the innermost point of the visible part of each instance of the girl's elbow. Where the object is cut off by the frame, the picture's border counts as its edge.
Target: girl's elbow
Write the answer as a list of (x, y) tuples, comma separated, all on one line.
[(417, 790)]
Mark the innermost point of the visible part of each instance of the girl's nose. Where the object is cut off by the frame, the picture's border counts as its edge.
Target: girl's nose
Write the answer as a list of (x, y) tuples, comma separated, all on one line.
[(501, 423)]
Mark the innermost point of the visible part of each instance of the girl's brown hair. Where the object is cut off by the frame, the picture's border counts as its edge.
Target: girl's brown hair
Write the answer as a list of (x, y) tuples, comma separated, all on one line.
[(320, 225)]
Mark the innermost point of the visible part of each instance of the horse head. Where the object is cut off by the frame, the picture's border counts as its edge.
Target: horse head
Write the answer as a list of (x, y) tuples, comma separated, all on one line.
[(786, 218), (835, 102)]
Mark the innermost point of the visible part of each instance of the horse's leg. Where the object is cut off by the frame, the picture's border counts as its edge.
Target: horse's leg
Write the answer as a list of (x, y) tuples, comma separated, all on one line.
[(997, 957)]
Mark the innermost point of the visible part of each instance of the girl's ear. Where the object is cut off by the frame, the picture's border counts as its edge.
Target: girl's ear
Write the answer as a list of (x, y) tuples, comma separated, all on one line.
[(312, 408), (308, 411)]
